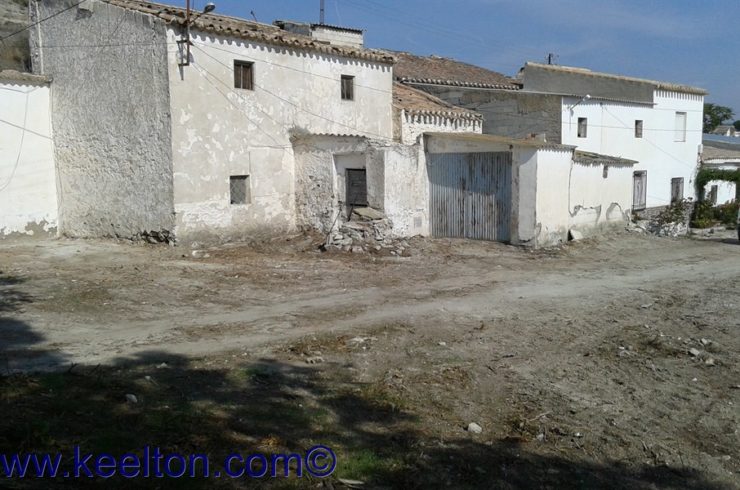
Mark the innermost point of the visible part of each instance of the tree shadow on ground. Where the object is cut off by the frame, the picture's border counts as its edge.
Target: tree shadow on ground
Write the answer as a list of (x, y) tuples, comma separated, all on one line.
[(218, 406), (18, 340)]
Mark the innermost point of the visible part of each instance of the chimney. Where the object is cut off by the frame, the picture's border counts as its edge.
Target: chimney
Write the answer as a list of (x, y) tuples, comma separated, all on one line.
[(325, 33)]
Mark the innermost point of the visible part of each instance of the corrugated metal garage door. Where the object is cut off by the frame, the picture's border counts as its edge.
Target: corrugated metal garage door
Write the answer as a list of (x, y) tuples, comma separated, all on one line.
[(470, 195)]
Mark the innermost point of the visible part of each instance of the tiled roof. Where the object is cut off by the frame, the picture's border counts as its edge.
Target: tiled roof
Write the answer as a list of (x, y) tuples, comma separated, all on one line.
[(241, 28), (722, 129), (720, 151), (445, 71), (416, 101), (671, 87), (504, 140), (589, 158)]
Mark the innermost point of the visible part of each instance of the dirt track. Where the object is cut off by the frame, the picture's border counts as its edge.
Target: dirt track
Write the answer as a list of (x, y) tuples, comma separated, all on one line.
[(581, 353)]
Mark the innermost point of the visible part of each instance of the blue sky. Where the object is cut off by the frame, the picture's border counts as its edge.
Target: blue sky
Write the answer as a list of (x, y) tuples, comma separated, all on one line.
[(683, 41)]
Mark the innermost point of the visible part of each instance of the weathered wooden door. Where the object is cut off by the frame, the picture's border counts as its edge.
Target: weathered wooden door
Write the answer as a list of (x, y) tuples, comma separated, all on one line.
[(470, 195), (639, 190), (356, 187)]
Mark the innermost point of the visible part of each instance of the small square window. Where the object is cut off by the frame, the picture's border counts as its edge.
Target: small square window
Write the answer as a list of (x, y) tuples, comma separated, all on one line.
[(348, 87), (638, 128), (244, 75), (582, 127), (239, 189)]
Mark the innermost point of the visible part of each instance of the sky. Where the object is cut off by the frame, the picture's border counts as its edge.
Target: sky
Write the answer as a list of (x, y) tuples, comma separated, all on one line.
[(682, 41)]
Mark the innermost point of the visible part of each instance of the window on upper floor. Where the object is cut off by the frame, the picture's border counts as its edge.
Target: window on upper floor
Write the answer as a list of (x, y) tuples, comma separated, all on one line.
[(582, 127), (244, 75), (680, 134), (348, 87), (638, 128)]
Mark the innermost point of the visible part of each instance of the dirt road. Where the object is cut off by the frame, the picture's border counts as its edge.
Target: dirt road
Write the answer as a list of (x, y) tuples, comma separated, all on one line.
[(91, 302), (609, 358)]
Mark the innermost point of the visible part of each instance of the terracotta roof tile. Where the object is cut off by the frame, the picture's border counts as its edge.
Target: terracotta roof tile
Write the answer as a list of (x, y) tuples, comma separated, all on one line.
[(445, 71), (246, 29), (589, 158), (416, 101)]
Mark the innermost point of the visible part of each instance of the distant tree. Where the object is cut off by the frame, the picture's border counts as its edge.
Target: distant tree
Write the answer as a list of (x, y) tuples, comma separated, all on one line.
[(714, 115), (737, 125)]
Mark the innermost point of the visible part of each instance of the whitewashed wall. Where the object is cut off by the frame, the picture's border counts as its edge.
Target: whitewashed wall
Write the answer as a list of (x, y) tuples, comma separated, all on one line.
[(599, 199), (415, 125), (611, 132), (552, 218), (726, 191), (407, 189), (220, 131), (28, 189)]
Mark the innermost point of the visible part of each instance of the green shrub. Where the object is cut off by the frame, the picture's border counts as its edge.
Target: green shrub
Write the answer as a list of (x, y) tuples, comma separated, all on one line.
[(727, 213), (703, 216)]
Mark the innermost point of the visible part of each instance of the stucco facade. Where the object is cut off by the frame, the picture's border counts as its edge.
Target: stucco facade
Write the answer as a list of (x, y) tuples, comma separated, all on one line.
[(28, 185), (220, 131), (611, 131), (111, 117)]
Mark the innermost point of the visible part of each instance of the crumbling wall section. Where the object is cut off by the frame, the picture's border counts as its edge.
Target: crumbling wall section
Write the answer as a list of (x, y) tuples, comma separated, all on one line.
[(600, 197)]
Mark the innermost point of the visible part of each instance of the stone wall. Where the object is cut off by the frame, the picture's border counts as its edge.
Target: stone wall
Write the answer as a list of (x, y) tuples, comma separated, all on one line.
[(14, 54), (506, 112), (111, 117)]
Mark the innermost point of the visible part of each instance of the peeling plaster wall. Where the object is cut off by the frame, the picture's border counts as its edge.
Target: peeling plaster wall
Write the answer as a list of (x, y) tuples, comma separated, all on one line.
[(110, 115), (553, 220), (599, 199), (219, 131), (28, 191), (407, 190), (321, 163)]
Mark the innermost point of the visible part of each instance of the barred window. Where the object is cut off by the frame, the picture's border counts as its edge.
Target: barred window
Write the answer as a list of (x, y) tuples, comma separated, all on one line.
[(638, 128), (348, 87), (239, 189), (582, 127)]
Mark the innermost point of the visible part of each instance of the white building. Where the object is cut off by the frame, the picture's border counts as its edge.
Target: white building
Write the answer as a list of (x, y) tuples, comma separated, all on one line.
[(212, 128), (156, 137), (28, 186), (721, 156), (656, 124)]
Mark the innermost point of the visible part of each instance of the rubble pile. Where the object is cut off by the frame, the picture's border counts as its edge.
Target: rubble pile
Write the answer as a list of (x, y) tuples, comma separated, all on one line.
[(368, 230), (673, 229)]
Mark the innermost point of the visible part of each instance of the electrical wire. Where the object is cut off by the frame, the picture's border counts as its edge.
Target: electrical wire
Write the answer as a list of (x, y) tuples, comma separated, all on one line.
[(20, 146), (376, 135), (2, 39)]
